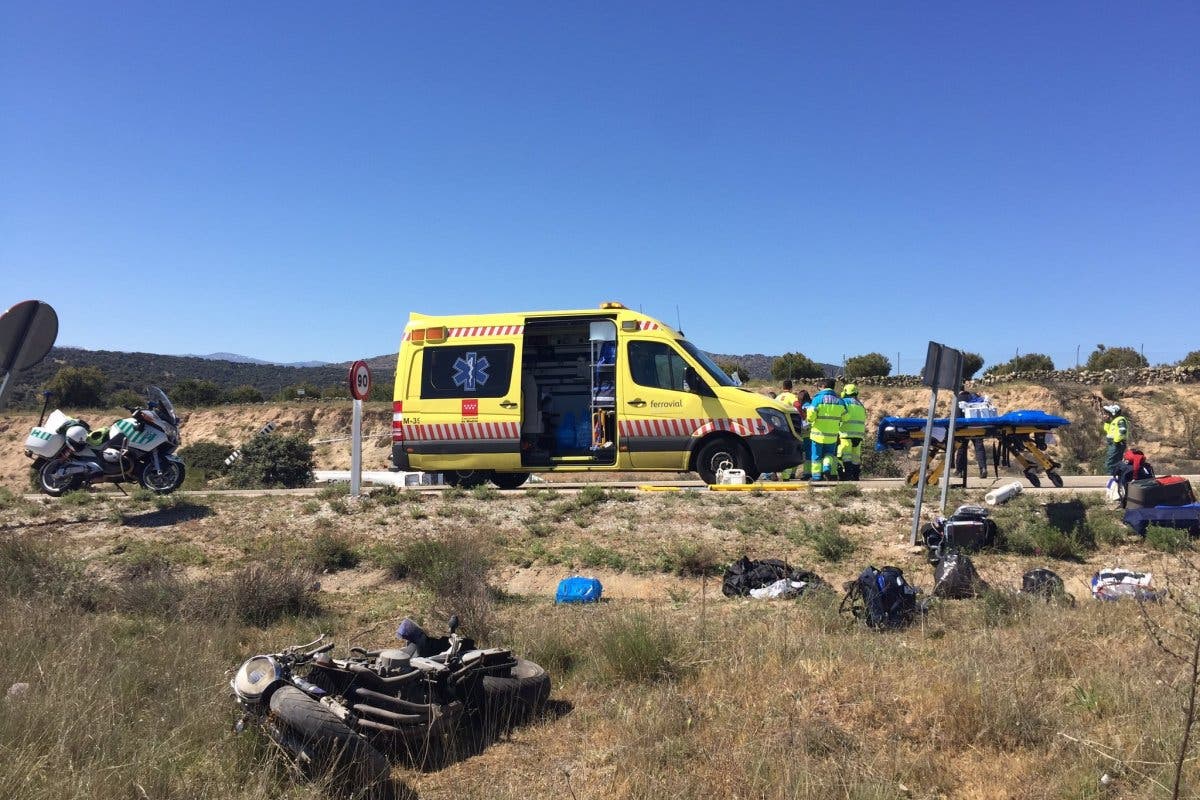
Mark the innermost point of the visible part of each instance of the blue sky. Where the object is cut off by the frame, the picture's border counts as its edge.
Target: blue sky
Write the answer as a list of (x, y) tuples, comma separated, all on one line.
[(289, 180)]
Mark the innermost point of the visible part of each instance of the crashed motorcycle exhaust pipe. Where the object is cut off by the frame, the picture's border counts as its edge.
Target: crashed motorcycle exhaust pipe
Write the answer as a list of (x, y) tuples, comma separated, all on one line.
[(404, 705), (390, 716)]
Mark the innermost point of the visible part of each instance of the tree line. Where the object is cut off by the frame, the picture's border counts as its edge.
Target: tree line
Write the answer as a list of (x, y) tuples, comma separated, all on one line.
[(798, 366)]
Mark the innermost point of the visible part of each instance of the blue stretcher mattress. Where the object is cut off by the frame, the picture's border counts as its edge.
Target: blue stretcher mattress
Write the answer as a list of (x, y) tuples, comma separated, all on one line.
[(1183, 517), (1024, 418)]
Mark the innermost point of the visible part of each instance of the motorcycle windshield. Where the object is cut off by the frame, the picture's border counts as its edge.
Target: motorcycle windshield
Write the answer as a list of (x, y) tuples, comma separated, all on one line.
[(156, 395)]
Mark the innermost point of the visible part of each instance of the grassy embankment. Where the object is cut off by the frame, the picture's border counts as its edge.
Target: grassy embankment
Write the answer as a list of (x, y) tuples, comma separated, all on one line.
[(124, 616)]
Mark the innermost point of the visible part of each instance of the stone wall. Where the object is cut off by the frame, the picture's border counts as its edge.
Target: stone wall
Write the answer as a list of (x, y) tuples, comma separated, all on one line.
[(1146, 376)]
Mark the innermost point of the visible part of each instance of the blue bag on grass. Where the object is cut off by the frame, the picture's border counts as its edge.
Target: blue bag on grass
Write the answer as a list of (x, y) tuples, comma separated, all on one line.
[(578, 589)]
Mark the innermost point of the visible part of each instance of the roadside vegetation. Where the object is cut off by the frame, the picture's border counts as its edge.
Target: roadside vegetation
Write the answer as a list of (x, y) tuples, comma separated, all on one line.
[(123, 616)]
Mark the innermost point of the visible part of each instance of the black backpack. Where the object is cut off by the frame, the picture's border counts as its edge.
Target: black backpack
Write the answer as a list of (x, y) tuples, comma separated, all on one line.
[(744, 575), (881, 598)]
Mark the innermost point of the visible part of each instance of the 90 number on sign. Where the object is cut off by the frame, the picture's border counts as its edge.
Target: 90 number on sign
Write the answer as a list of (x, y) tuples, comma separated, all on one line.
[(360, 380)]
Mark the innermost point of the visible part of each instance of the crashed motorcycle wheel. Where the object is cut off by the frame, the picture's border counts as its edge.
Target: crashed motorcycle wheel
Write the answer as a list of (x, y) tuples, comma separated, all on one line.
[(513, 699), (332, 749), (55, 484)]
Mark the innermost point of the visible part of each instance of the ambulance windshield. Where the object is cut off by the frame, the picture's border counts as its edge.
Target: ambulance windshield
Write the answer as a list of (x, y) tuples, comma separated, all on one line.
[(710, 366)]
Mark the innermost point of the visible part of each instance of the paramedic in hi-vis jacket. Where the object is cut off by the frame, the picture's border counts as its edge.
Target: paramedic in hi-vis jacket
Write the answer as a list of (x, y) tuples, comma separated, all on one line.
[(852, 433), (825, 416), (1116, 433)]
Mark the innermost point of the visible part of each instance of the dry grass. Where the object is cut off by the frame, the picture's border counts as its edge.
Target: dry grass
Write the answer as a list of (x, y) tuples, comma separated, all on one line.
[(667, 689)]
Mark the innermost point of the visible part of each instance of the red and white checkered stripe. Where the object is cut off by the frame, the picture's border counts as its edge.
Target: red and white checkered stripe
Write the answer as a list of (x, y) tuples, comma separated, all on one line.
[(479, 330), (663, 428), (455, 431), (647, 325)]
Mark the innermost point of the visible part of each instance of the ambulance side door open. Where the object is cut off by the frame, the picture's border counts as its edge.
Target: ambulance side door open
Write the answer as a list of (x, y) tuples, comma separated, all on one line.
[(663, 400), (469, 405)]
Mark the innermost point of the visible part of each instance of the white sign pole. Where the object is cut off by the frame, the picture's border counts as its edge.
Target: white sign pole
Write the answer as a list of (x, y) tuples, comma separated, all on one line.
[(948, 461), (356, 450), (916, 526)]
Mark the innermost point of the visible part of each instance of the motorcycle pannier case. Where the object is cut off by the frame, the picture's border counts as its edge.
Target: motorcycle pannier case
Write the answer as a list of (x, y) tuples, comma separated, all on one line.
[(969, 528), (1170, 490)]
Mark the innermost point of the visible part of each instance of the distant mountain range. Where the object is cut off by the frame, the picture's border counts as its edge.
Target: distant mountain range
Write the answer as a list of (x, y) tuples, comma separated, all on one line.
[(134, 371), (240, 359)]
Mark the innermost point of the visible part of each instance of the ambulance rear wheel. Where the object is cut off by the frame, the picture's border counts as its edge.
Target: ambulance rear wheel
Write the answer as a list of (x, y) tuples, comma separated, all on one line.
[(509, 480), (722, 453), (465, 479)]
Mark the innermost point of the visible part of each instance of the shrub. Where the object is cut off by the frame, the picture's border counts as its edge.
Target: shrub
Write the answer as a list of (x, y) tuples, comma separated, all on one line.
[(1110, 392), (259, 594), (243, 394), (827, 539), (455, 569), (274, 460), (972, 363), (297, 391), (639, 648), (125, 398), (880, 463), (78, 387), (686, 557), (484, 492), (194, 392), (330, 552), (1103, 358), (1168, 540), (867, 366), (1192, 359), (795, 366), (207, 457), (1030, 362), (29, 568)]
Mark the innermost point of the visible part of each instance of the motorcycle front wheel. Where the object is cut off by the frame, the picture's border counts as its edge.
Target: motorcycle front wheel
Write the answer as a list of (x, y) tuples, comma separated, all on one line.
[(333, 750), (54, 482), (164, 480)]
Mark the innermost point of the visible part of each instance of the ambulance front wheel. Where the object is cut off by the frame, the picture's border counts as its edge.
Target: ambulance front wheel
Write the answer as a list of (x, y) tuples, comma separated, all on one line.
[(465, 479), (509, 480), (719, 454)]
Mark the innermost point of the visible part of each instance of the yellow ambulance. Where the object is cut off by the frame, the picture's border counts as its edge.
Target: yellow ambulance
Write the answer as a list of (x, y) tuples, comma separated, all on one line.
[(499, 396)]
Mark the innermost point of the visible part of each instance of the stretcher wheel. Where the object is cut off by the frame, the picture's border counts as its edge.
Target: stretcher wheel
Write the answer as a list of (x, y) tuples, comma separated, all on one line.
[(1055, 478), (1033, 478)]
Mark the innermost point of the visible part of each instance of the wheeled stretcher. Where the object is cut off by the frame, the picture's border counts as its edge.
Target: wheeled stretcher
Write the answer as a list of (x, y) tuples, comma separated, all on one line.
[(1016, 436)]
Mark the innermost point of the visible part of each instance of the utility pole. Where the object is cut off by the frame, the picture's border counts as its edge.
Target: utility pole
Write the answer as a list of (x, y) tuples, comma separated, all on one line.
[(1076, 356)]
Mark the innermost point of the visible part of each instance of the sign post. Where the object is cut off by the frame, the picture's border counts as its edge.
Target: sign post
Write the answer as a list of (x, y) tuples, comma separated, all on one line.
[(943, 370), (360, 389), (27, 332)]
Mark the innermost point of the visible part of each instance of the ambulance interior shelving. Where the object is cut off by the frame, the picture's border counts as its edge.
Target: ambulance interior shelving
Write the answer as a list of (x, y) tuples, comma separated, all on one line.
[(569, 365)]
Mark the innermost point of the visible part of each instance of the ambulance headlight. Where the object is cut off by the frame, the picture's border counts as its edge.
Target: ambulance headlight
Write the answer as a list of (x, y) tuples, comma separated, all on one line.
[(776, 419)]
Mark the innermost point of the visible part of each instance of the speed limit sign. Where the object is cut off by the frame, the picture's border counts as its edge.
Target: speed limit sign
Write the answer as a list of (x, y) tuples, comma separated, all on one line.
[(360, 380)]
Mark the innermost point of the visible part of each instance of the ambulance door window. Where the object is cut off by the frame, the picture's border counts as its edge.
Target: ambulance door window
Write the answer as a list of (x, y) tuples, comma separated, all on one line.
[(467, 371), (657, 365)]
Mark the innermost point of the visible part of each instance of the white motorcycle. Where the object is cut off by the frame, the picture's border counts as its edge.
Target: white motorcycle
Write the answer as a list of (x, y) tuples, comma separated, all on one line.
[(67, 454)]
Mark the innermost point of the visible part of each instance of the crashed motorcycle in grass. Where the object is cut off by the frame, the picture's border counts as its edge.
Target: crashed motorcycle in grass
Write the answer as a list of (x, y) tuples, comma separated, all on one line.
[(423, 702), (68, 454)]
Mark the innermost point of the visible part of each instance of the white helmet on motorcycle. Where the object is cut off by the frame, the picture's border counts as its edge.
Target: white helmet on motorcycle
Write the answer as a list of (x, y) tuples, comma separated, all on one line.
[(77, 437)]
